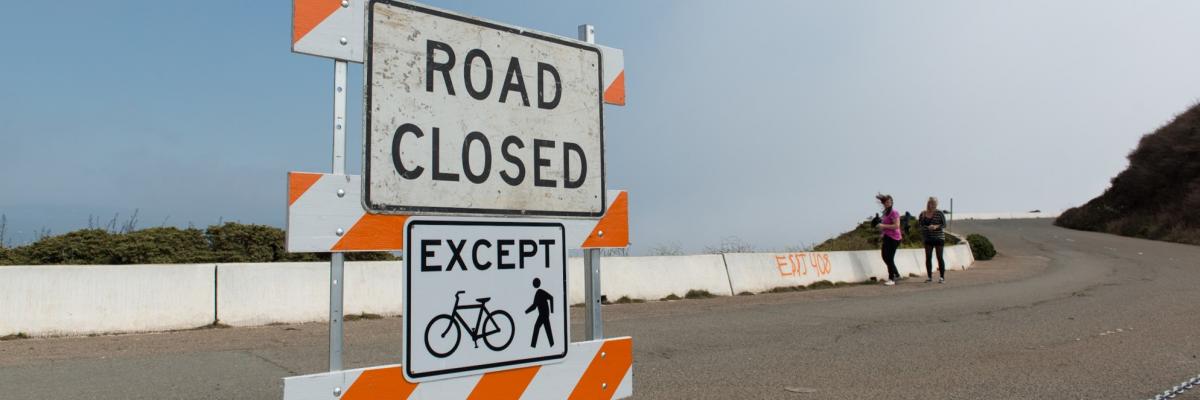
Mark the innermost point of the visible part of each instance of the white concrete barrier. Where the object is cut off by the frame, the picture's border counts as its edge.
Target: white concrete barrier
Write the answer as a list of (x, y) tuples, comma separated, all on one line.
[(262, 293), (78, 300), (73, 300), (761, 272), (652, 278)]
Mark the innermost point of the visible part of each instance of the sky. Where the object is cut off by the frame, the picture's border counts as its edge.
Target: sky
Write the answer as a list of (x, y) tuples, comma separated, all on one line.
[(773, 122)]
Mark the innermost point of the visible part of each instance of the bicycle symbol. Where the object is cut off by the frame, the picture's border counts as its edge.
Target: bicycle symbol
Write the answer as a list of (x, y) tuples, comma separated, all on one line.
[(489, 326)]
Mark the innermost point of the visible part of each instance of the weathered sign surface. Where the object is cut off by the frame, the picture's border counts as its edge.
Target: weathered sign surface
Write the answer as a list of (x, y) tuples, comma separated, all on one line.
[(466, 116)]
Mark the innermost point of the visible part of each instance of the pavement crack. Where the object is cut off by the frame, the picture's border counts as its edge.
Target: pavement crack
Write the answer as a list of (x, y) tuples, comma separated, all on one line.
[(272, 362)]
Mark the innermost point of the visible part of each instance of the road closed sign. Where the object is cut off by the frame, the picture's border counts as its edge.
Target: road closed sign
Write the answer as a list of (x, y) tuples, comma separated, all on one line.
[(470, 116), (483, 296)]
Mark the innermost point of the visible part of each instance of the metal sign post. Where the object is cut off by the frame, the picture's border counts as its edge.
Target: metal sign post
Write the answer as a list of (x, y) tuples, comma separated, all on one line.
[(593, 323), (337, 260)]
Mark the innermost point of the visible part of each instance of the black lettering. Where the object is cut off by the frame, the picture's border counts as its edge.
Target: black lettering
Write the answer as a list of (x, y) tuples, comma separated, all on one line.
[(426, 254), (456, 254), (514, 71), (444, 68), (487, 157), (467, 64), (526, 252), (404, 172), (542, 69), (546, 243), (475, 254), (501, 252), (538, 161), (438, 175), (569, 148), (512, 180)]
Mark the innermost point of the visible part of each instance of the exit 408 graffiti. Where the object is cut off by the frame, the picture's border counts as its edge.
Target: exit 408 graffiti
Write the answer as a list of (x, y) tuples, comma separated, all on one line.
[(798, 264)]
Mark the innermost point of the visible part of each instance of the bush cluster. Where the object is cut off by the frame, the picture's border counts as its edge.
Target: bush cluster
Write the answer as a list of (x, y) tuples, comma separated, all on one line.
[(981, 247), (228, 242), (1157, 196)]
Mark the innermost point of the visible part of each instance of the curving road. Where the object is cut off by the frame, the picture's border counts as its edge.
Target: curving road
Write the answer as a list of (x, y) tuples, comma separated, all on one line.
[(1059, 314)]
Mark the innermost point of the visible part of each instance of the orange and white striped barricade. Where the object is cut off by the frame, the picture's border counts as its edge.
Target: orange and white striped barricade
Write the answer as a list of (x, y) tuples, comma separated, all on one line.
[(612, 70), (599, 369), (335, 29), (325, 215), (329, 28)]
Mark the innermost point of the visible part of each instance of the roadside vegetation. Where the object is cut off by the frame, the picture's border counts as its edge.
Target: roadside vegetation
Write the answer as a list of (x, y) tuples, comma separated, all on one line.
[(981, 247), (226, 242), (1158, 195)]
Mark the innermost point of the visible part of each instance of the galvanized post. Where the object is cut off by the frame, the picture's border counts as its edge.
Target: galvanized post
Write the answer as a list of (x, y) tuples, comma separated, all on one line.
[(336, 260), (951, 223), (593, 323)]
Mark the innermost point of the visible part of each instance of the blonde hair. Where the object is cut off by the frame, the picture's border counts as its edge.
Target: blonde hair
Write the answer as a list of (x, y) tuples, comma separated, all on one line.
[(931, 200)]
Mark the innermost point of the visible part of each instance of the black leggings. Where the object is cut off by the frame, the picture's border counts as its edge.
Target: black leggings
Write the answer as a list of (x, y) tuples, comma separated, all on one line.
[(889, 256), (929, 247)]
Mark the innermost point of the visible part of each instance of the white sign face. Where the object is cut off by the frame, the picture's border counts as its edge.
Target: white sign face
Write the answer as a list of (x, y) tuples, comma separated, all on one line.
[(483, 296), (469, 116)]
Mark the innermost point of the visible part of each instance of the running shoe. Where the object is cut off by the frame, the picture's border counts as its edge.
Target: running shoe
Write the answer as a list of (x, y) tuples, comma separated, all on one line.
[(889, 283), (942, 279)]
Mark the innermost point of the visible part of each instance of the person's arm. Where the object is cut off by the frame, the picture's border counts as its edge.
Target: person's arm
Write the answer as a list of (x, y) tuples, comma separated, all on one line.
[(925, 222), (941, 218), (531, 307)]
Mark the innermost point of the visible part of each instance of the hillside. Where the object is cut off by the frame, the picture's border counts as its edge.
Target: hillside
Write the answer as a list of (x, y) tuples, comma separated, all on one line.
[(1158, 195), (865, 237)]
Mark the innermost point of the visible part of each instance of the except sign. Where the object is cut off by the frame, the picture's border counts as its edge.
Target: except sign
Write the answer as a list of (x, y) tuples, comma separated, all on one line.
[(469, 116), (483, 296)]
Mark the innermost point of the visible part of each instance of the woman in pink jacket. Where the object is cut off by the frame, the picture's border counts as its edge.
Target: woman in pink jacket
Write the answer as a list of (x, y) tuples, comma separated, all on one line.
[(889, 227)]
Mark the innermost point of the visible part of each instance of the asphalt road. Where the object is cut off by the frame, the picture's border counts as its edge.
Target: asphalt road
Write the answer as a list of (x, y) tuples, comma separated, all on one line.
[(1059, 314)]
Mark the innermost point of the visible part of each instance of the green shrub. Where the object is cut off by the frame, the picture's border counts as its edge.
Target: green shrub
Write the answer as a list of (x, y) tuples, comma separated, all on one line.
[(235, 242), (228, 242), (981, 247), (84, 246), (698, 294), (161, 246)]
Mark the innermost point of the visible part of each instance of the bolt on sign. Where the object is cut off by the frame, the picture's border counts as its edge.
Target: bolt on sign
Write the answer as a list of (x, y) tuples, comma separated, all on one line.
[(483, 296), (470, 116)]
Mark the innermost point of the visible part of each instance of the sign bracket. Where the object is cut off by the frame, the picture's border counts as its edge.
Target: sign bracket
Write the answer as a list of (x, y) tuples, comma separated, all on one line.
[(336, 259), (593, 323)]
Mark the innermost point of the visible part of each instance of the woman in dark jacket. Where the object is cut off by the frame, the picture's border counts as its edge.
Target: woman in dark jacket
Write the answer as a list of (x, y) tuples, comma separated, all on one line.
[(932, 221)]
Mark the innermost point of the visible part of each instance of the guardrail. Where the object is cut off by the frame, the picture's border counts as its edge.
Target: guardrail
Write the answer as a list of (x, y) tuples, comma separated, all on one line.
[(88, 299)]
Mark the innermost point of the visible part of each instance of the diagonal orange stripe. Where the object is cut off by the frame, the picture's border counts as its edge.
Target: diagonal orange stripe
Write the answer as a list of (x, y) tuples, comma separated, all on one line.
[(614, 224), (307, 14), (384, 383), (606, 371), (615, 92), (503, 385), (374, 232), (298, 183)]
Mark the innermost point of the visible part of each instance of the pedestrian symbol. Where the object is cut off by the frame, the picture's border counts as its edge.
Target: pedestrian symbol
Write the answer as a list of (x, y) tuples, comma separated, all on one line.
[(543, 302)]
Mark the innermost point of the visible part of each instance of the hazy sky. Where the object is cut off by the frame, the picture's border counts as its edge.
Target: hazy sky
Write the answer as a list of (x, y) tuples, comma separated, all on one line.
[(775, 122)]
